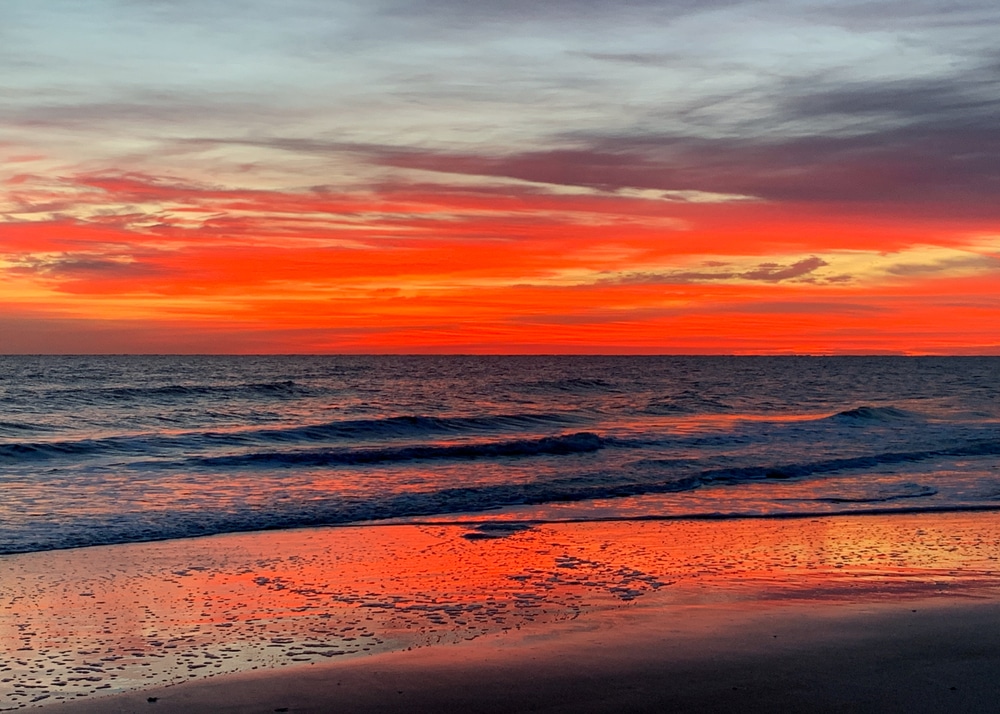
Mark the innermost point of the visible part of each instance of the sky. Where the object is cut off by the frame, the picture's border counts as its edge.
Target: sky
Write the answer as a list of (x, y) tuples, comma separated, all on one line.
[(510, 176)]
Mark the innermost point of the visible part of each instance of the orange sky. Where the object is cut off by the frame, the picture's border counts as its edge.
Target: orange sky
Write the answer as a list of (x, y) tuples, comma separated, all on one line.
[(399, 180)]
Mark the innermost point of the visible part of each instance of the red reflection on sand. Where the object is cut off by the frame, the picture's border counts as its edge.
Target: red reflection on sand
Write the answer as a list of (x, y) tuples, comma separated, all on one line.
[(100, 619)]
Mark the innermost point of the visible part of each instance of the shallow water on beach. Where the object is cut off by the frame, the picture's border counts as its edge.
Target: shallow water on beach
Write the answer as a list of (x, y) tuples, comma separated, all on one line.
[(100, 450)]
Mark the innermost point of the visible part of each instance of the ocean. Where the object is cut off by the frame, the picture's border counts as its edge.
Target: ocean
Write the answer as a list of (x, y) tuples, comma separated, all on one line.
[(101, 450)]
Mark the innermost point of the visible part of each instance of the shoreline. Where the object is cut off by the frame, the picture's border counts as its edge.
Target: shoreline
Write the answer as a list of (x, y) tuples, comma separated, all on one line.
[(572, 607), (507, 516)]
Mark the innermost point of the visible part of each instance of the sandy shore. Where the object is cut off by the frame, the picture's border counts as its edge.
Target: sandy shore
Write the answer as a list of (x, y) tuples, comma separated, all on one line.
[(883, 613), (929, 656)]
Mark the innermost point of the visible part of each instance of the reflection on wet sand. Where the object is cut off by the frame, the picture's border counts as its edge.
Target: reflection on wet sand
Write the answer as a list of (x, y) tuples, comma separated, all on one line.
[(81, 623)]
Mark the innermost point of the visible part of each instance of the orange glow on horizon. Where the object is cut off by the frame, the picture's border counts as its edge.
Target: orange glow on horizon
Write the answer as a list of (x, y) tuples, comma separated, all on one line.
[(206, 270)]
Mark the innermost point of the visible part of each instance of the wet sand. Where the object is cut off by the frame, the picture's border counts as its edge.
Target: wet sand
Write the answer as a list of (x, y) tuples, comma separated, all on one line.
[(834, 614), (789, 658)]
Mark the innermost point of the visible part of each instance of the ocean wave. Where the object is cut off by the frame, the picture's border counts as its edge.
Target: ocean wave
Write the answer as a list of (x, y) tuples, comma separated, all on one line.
[(899, 492), (102, 450), (873, 415), (352, 429), (17, 428), (572, 385), (685, 402), (636, 478), (93, 395), (578, 443), (984, 447), (584, 486), (413, 425), (19, 451)]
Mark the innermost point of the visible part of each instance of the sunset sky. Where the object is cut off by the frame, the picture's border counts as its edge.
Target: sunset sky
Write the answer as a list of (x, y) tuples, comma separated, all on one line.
[(664, 176)]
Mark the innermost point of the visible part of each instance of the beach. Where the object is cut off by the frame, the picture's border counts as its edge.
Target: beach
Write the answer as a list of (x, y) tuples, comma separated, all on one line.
[(935, 657), (885, 613)]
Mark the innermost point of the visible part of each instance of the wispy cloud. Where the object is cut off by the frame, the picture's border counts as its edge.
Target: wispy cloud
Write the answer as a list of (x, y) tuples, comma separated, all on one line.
[(799, 271), (80, 266)]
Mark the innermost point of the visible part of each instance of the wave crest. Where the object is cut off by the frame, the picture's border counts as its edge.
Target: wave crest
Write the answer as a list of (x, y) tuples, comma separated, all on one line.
[(581, 442), (351, 429), (870, 414)]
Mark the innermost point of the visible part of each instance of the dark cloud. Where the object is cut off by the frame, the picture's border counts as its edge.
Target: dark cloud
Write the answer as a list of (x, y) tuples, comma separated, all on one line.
[(969, 96), (906, 142), (775, 273)]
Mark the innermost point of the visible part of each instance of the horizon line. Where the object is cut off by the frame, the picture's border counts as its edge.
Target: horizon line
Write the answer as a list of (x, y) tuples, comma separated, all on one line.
[(501, 354)]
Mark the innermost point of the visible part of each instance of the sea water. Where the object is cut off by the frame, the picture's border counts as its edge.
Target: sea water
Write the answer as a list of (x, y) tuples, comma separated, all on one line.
[(117, 449)]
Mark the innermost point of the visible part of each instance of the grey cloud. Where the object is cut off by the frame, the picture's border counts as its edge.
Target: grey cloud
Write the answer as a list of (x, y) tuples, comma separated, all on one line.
[(969, 96), (910, 142), (74, 266), (676, 277), (933, 148), (291, 144), (146, 109), (974, 262), (466, 12), (331, 27), (931, 145), (774, 273), (764, 272), (878, 14), (654, 59)]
